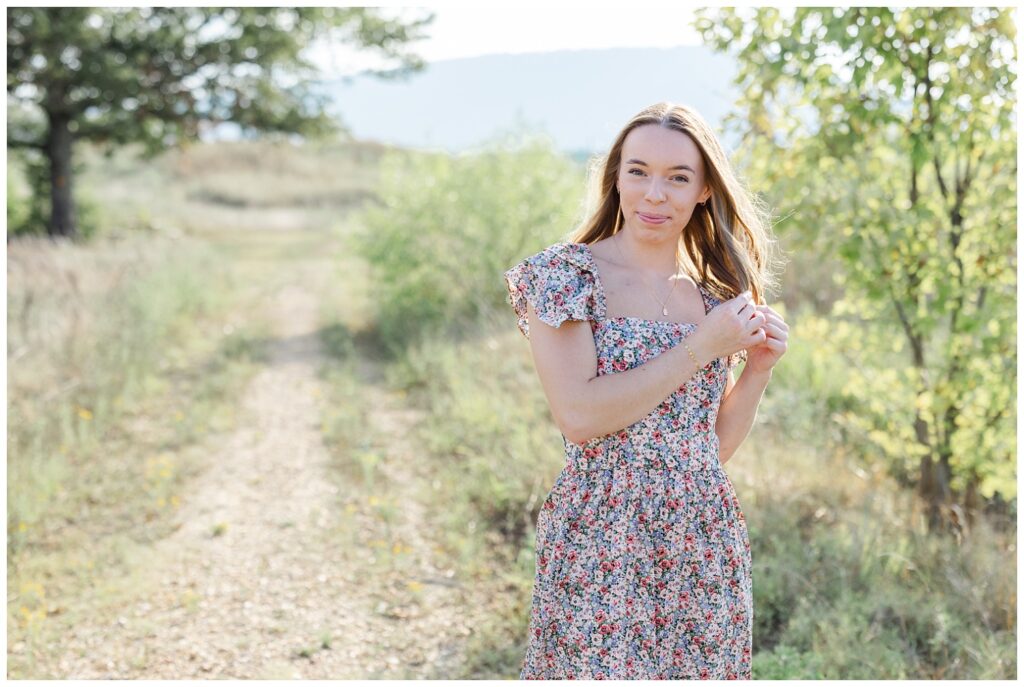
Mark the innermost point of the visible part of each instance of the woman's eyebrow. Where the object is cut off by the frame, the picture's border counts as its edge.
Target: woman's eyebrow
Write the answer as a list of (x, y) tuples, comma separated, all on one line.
[(634, 161)]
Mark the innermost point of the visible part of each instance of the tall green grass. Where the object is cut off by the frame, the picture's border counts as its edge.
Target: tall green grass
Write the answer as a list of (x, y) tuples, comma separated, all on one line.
[(89, 330)]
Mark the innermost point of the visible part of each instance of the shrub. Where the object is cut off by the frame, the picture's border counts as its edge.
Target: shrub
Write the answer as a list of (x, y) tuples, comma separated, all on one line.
[(447, 228)]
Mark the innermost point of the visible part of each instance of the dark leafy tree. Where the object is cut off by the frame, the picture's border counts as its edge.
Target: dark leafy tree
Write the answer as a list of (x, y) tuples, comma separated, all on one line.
[(156, 75)]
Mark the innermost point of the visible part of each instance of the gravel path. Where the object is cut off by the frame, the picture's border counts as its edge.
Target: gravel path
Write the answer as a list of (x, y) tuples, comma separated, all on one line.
[(270, 574)]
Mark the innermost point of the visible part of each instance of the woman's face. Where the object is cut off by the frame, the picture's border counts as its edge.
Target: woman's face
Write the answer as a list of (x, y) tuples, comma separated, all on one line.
[(661, 181)]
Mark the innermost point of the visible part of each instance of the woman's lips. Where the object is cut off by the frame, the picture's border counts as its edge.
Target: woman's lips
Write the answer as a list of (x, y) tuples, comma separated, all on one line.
[(652, 219)]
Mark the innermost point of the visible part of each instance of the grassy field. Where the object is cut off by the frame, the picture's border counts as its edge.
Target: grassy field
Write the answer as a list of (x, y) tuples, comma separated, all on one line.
[(127, 357)]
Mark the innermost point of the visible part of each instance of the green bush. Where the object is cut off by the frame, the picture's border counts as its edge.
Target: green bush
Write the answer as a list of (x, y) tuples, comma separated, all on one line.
[(448, 227)]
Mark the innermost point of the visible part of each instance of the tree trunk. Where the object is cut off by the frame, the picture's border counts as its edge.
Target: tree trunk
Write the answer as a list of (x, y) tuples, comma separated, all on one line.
[(934, 490), (58, 151), (972, 500)]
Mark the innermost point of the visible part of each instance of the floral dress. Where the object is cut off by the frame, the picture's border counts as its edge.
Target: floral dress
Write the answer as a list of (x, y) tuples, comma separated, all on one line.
[(643, 567)]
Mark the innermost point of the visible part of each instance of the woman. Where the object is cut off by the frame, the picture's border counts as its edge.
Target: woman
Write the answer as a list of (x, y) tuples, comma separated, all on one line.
[(643, 565)]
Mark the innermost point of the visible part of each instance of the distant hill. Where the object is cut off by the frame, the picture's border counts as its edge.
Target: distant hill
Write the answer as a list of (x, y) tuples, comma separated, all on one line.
[(579, 98)]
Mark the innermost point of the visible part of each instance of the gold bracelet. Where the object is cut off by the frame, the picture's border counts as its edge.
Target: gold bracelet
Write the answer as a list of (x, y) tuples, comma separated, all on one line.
[(692, 356)]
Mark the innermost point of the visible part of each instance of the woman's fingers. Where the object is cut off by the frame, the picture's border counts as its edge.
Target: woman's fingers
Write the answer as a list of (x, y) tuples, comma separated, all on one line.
[(772, 316), (775, 332), (757, 319)]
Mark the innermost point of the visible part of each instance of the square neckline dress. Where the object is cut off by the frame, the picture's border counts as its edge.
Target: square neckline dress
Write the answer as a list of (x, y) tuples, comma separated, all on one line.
[(643, 566)]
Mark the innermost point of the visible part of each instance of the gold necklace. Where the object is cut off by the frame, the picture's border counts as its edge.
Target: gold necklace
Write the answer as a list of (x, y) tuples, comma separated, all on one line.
[(664, 307)]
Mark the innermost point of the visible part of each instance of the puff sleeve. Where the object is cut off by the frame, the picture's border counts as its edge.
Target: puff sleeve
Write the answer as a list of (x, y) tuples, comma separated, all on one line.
[(559, 282)]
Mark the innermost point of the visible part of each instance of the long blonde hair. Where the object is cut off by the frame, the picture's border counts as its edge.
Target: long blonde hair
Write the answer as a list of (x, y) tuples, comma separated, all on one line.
[(727, 240)]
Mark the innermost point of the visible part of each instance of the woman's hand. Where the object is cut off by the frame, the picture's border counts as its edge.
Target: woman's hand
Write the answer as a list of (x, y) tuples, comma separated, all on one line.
[(730, 326), (763, 356)]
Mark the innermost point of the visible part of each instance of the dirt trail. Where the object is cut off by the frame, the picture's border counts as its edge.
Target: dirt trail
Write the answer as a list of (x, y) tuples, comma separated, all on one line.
[(259, 581)]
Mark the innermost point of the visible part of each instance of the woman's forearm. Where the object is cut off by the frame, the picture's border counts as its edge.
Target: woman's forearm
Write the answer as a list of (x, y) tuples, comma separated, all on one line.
[(738, 410), (608, 403)]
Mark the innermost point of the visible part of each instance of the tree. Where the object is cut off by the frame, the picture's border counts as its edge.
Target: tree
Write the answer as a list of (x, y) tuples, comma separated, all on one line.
[(154, 75), (894, 134)]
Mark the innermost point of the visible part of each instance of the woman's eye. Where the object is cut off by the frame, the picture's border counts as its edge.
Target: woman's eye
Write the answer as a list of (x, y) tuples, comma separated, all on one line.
[(638, 172)]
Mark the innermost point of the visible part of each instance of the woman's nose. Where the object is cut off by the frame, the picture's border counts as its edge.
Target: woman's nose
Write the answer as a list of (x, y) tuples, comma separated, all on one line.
[(654, 192)]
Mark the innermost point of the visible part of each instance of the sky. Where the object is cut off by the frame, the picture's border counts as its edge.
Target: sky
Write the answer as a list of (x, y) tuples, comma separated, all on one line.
[(473, 30)]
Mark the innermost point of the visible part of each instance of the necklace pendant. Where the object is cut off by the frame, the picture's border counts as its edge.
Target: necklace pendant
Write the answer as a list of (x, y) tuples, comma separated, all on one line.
[(664, 311)]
